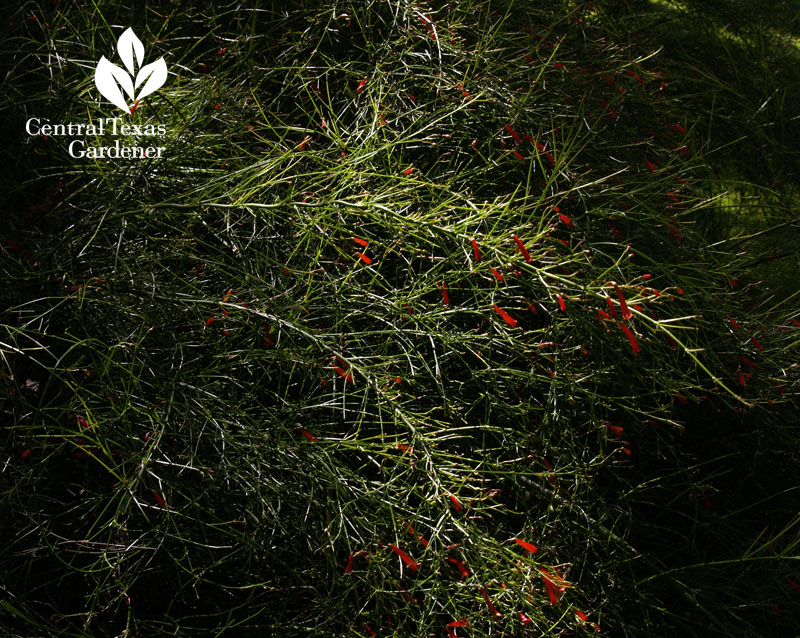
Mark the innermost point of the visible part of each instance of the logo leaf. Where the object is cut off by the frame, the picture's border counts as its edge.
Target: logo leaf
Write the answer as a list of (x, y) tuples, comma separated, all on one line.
[(153, 75), (108, 78), (112, 80), (129, 46)]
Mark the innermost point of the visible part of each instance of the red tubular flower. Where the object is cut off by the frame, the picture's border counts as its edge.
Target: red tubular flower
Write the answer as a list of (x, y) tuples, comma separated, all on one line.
[(561, 304), (631, 338), (420, 538), (25, 453), (407, 596), (750, 364), (361, 242), (616, 429), (741, 377), (461, 567), (429, 26), (651, 167), (410, 562), (459, 623), (524, 619), (408, 171), (552, 594), (455, 502), (524, 250), (514, 134), (445, 296), (626, 314), (756, 343), (349, 567), (676, 233), (506, 317), (611, 309), (360, 86), (547, 463), (634, 76), (308, 435), (519, 156), (344, 373), (364, 258), (210, 321), (541, 148), (489, 604), (581, 615), (526, 545), (566, 220), (450, 633), (369, 629), (476, 251), (497, 274), (159, 499)]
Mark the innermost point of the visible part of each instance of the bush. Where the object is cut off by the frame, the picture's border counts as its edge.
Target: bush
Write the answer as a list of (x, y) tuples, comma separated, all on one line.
[(415, 329)]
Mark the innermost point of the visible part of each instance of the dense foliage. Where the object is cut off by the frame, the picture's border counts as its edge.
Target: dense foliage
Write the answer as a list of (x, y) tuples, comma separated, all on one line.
[(430, 320)]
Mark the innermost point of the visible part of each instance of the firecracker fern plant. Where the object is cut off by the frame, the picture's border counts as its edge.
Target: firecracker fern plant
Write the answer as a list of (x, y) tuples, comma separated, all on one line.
[(414, 329)]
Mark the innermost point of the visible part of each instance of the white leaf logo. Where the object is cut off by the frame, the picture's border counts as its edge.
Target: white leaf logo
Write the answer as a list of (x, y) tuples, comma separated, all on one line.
[(153, 75), (129, 46), (112, 80), (108, 78)]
